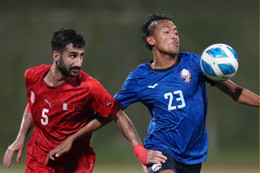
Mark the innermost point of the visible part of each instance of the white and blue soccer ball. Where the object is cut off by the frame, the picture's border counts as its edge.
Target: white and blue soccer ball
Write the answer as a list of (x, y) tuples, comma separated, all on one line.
[(219, 62)]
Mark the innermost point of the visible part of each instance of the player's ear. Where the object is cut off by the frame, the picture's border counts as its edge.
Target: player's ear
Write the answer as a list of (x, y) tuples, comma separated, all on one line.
[(56, 55), (150, 40)]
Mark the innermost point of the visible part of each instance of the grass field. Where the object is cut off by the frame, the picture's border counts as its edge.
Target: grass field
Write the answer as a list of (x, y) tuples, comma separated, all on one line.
[(224, 162), (207, 168), (135, 168)]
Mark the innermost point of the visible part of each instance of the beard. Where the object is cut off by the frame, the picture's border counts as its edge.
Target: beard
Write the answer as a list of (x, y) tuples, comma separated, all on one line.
[(72, 71)]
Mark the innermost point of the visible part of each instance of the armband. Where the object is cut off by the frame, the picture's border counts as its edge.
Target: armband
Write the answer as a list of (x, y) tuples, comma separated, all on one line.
[(141, 153)]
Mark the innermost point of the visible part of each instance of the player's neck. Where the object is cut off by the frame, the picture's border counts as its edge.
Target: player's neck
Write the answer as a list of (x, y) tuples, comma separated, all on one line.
[(54, 77), (163, 62)]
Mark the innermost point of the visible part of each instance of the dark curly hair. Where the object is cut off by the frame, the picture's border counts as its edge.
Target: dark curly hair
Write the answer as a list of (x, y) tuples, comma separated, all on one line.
[(64, 37), (147, 27)]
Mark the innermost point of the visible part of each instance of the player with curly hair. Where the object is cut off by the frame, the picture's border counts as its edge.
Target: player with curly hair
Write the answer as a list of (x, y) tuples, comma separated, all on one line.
[(172, 87)]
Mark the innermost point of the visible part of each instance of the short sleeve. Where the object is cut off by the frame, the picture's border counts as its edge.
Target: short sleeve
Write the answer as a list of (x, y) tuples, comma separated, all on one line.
[(27, 109), (128, 93), (102, 102)]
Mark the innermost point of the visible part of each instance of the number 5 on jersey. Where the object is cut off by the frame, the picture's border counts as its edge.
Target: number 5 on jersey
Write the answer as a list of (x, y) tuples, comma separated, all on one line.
[(44, 118)]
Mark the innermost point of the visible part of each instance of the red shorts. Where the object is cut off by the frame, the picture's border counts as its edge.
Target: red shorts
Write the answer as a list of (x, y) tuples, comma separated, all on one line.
[(76, 161)]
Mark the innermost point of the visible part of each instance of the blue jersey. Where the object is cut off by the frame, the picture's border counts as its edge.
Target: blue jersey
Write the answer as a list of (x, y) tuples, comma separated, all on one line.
[(177, 100)]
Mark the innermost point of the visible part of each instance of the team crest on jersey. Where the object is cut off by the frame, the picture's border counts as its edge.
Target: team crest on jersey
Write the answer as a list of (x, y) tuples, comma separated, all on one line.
[(32, 97), (186, 75)]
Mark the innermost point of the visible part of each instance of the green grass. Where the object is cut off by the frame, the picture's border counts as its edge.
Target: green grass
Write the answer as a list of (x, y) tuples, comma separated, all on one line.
[(114, 167), (206, 168), (126, 162)]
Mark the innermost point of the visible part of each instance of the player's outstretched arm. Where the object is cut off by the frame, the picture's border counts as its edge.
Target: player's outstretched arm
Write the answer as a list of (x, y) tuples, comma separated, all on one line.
[(239, 94), (66, 145), (128, 130), (18, 144)]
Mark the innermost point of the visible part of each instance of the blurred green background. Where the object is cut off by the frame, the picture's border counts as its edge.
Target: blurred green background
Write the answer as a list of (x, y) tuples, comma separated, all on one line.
[(114, 48)]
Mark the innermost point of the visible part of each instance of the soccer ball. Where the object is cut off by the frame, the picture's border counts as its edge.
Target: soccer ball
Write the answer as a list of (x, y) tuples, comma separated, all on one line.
[(219, 62)]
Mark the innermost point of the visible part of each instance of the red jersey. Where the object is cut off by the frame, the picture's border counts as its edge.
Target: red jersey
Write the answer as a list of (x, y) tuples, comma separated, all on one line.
[(62, 110)]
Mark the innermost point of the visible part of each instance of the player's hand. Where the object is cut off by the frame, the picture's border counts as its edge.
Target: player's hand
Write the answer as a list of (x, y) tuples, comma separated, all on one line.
[(144, 168), (59, 150), (16, 146), (155, 157)]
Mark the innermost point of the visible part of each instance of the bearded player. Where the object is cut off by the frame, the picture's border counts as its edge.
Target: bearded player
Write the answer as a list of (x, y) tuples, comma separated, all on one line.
[(65, 106)]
